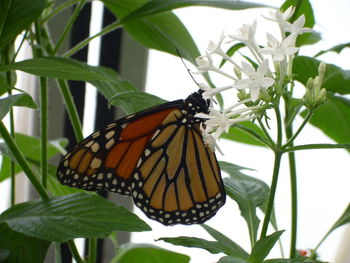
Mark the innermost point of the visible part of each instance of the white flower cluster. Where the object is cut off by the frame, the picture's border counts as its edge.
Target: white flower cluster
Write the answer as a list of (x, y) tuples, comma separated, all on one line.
[(256, 80)]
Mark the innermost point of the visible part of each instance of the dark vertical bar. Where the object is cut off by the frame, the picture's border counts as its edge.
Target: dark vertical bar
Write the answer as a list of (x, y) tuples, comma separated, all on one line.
[(79, 32)]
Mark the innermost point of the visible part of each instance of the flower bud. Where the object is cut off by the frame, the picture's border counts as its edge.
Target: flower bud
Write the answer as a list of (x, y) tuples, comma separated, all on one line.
[(322, 68), (310, 84), (237, 72)]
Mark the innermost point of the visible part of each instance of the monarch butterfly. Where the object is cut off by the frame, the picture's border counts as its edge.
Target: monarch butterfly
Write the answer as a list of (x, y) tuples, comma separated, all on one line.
[(158, 157)]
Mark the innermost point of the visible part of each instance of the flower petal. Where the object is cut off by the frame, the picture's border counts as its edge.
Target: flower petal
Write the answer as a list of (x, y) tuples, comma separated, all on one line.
[(254, 94)]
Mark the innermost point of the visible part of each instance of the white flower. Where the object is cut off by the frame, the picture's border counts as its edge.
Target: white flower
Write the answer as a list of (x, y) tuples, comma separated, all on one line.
[(246, 35), (210, 93), (216, 122), (209, 140), (281, 18), (256, 79), (215, 48), (205, 64), (280, 50), (297, 27)]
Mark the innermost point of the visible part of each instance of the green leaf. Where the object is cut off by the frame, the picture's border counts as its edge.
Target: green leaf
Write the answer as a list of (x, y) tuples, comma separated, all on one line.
[(233, 169), (343, 219), (235, 249), (248, 192), (263, 247), (66, 217), (240, 135), (21, 248), (145, 253), (121, 93), (336, 49), (16, 16), (230, 259), (57, 67), (53, 185), (291, 260), (23, 99), (164, 32), (335, 79), (333, 113), (160, 6), (210, 246), (30, 147), (303, 7)]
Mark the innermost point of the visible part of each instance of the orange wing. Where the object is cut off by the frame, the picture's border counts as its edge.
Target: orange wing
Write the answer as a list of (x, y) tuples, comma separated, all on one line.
[(177, 180), (107, 158)]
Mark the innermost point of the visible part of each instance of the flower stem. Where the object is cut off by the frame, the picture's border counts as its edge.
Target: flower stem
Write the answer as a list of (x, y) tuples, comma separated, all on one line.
[(75, 252), (43, 112), (293, 136), (317, 146), (12, 129), (113, 26), (262, 126), (69, 25), (72, 110), (92, 250), (276, 168), (294, 196), (253, 134)]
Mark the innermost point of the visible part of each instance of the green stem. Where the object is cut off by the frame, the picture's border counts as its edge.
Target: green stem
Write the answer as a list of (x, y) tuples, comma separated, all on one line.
[(113, 26), (22, 161), (317, 146), (75, 252), (262, 126), (71, 109), (69, 25), (12, 130), (43, 112), (294, 195), (279, 126), (253, 134), (293, 136), (43, 129), (58, 10), (276, 168), (92, 250)]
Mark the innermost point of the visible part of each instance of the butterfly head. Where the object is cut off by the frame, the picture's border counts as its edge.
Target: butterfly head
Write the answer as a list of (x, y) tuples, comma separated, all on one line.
[(197, 103)]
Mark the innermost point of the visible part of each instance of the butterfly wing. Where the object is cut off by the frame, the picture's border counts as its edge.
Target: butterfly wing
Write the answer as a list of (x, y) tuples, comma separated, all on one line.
[(177, 179), (158, 156), (107, 158)]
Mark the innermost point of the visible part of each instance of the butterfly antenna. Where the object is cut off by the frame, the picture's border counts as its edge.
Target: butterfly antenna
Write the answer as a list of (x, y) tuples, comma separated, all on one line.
[(188, 70)]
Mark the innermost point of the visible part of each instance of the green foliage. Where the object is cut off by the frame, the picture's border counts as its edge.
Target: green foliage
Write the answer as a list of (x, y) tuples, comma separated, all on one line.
[(240, 134), (20, 248), (66, 217), (336, 80), (210, 246), (23, 99), (248, 192), (30, 147), (16, 16), (145, 253), (333, 113), (263, 247)]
